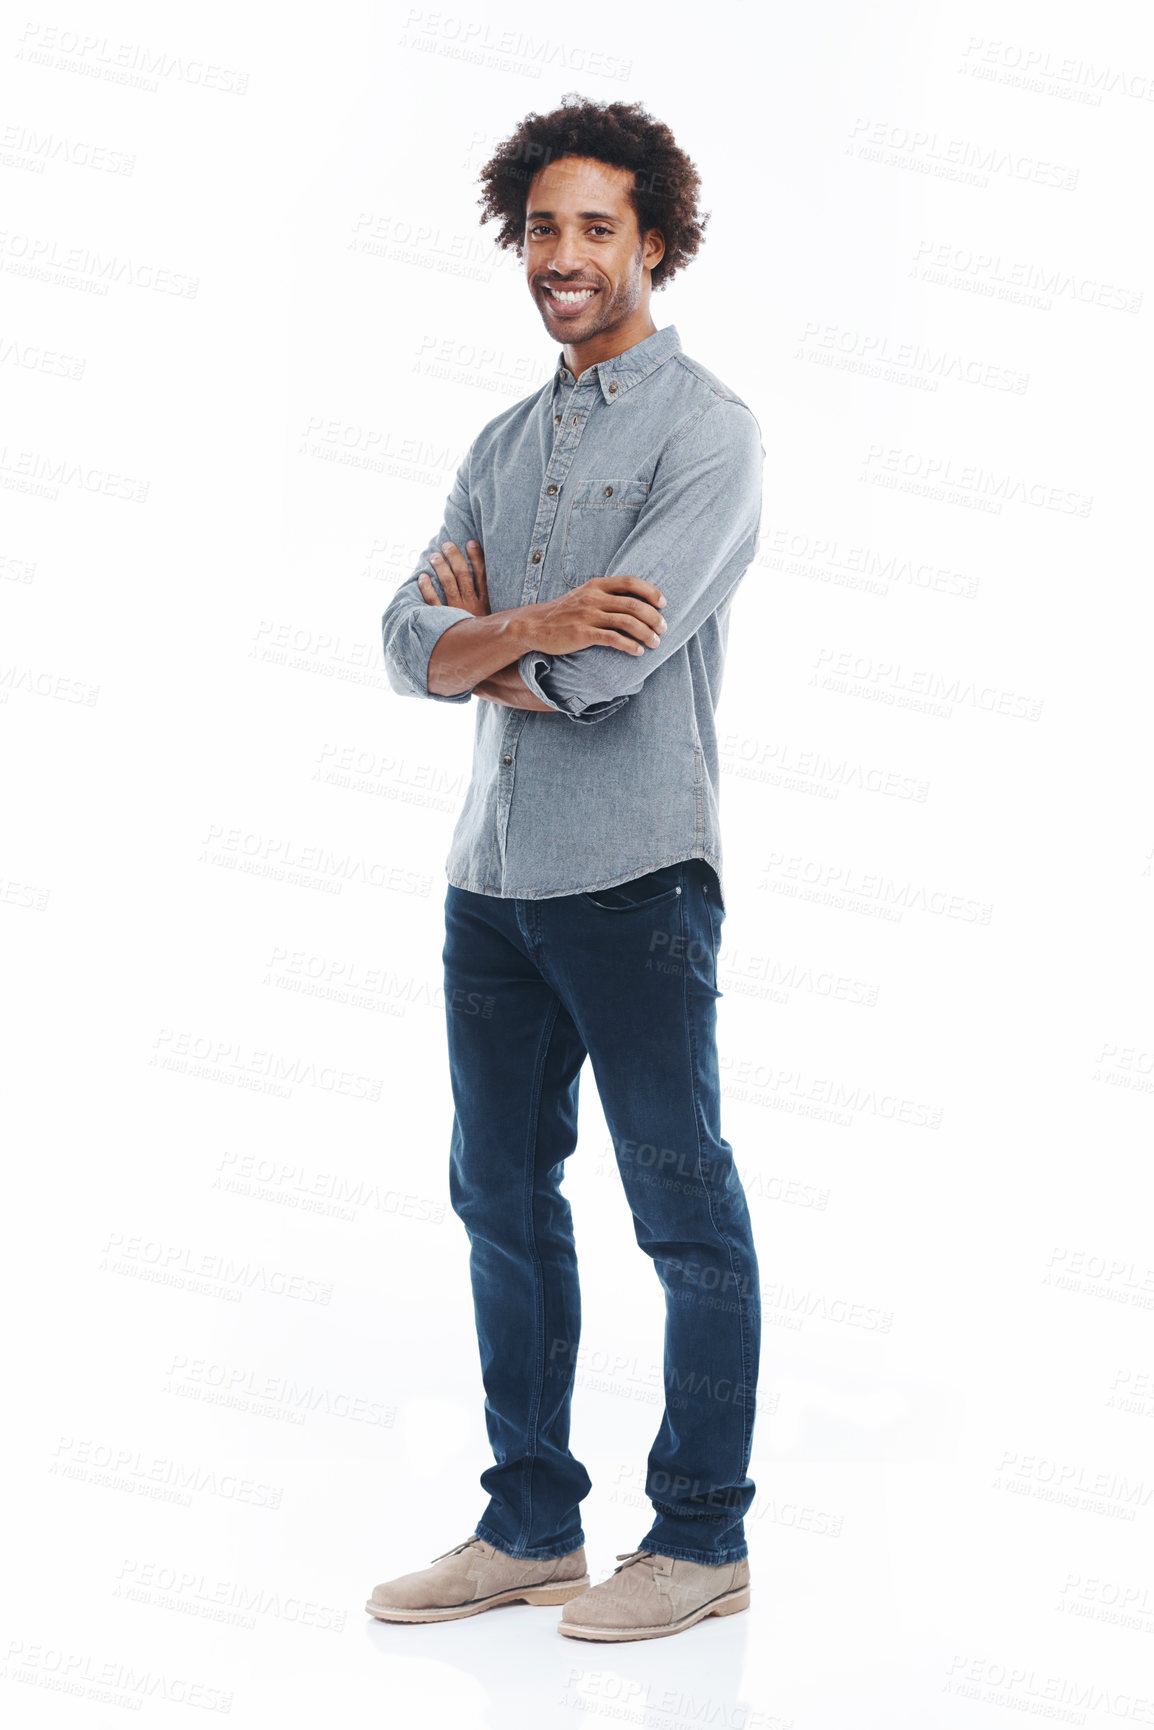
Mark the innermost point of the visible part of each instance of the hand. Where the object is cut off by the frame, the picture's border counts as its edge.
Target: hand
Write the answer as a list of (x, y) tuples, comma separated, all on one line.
[(506, 686), (457, 579), (619, 612)]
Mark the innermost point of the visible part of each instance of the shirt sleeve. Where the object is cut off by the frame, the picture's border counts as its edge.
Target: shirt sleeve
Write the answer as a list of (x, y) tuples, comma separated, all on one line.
[(536, 667), (695, 537), (410, 627)]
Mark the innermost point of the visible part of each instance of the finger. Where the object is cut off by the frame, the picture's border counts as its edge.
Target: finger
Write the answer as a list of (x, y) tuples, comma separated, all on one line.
[(614, 640), (637, 586), (447, 577), (477, 560), (631, 626), (425, 584), (640, 609), (459, 566)]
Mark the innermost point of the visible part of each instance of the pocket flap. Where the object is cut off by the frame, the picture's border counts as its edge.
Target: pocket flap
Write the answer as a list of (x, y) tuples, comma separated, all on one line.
[(627, 494)]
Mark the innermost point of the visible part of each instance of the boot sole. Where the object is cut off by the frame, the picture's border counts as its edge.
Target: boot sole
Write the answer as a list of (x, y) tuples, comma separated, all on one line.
[(726, 1606), (551, 1593)]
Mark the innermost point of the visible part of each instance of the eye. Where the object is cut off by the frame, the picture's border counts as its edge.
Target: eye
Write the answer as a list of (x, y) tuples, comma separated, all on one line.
[(597, 228)]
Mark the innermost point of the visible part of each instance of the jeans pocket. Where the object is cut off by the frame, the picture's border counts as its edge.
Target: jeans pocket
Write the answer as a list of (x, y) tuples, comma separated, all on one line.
[(647, 891), (713, 908)]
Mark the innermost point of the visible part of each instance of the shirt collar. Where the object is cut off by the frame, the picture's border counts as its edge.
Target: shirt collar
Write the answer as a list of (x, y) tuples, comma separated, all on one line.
[(623, 371)]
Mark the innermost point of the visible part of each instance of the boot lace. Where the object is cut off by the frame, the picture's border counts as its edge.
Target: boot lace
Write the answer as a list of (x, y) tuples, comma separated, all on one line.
[(457, 1548), (628, 1557)]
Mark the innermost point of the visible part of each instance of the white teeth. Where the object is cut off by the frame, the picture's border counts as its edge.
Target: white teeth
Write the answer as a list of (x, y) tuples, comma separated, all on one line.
[(571, 295)]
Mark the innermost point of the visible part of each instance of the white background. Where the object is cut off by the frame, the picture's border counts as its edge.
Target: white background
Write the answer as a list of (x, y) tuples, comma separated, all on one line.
[(251, 324)]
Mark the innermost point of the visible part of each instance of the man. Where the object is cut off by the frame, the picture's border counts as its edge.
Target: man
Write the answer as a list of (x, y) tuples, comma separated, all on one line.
[(580, 587)]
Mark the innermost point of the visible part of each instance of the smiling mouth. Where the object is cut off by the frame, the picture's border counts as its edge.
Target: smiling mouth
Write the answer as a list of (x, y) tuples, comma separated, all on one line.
[(567, 299)]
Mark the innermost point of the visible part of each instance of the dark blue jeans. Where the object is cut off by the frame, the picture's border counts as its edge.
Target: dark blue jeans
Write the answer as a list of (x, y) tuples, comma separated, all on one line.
[(628, 977)]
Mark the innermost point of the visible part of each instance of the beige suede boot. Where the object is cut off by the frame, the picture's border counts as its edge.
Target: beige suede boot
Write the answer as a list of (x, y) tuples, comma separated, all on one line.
[(650, 1595), (474, 1577)]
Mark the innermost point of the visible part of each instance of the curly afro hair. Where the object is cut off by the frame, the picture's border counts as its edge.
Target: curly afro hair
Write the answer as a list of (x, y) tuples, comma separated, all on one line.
[(665, 182)]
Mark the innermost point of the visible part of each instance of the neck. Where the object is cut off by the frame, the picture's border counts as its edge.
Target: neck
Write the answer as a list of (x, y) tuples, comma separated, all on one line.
[(606, 344)]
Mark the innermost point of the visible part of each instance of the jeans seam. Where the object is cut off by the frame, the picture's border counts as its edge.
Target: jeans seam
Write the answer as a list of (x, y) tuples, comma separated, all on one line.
[(723, 1236), (534, 1116)]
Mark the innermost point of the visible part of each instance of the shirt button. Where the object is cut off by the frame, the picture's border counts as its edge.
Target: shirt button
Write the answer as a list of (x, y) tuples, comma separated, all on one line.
[(607, 492), (506, 758), (537, 557), (551, 491), (612, 388), (556, 420)]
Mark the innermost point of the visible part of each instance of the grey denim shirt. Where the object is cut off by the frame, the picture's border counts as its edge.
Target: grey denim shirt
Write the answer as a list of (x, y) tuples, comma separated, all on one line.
[(647, 465)]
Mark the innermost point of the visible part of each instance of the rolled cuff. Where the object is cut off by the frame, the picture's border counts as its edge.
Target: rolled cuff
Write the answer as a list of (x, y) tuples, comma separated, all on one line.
[(536, 670), (531, 666), (413, 644)]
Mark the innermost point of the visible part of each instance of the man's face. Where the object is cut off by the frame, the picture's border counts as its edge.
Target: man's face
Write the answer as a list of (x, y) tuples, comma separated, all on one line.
[(585, 260)]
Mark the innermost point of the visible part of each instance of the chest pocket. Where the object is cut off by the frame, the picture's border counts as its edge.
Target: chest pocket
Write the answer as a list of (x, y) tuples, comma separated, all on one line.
[(601, 514)]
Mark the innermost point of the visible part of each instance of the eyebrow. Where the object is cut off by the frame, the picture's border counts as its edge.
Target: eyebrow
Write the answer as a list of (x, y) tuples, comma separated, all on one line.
[(584, 215)]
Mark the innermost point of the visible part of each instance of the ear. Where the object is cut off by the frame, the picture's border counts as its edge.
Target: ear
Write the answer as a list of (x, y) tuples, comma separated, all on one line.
[(653, 249)]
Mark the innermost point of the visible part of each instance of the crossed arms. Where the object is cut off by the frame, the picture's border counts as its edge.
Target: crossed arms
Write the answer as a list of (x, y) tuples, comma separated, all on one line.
[(483, 653), (588, 652)]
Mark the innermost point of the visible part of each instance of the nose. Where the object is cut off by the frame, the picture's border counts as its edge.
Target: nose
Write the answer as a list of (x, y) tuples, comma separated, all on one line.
[(566, 257)]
